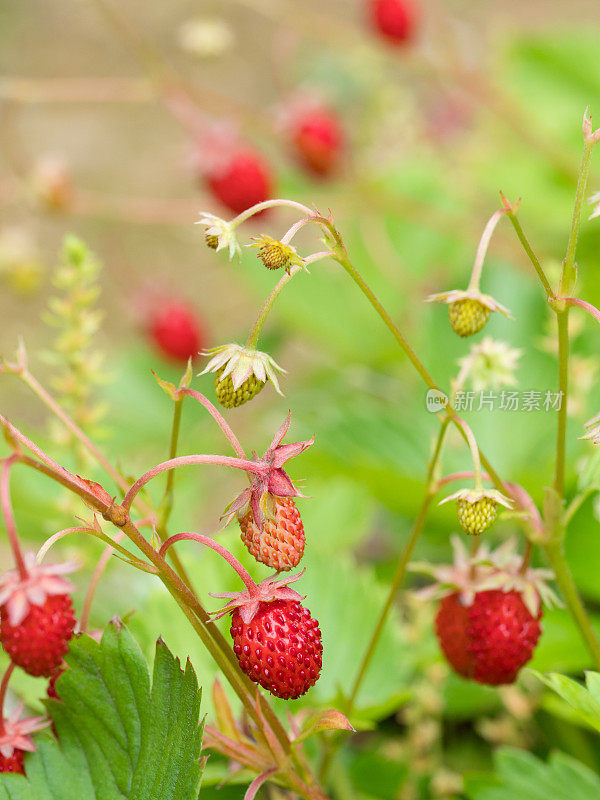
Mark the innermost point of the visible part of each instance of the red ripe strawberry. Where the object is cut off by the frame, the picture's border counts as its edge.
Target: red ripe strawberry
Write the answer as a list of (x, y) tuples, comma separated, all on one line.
[(13, 763), (38, 643), (36, 615), (395, 20), (241, 180), (318, 139), (176, 331), (280, 542), (491, 639), (280, 648)]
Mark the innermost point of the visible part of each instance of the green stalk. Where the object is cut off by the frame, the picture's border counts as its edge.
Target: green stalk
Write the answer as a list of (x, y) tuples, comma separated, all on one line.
[(555, 554), (562, 318)]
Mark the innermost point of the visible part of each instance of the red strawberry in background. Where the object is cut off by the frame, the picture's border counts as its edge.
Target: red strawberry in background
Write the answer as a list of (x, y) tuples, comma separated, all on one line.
[(36, 615), (241, 181), (395, 20), (488, 621), (175, 329), (315, 133)]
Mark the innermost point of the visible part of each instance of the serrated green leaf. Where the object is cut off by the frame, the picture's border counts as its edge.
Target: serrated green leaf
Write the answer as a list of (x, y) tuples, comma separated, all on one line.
[(118, 736), (521, 775)]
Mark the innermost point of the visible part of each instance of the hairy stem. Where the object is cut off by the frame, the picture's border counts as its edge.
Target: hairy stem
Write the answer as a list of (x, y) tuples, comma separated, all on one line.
[(8, 515), (530, 253), (569, 271), (563, 387)]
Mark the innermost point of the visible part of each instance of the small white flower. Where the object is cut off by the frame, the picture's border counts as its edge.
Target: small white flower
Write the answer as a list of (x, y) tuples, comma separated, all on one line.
[(490, 364), (224, 231), (242, 362)]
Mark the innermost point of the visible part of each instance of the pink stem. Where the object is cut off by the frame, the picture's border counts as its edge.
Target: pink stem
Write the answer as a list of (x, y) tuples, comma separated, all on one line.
[(231, 560), (575, 301), (56, 537), (187, 461), (3, 688), (219, 419), (9, 518), (78, 486), (100, 567), (258, 782)]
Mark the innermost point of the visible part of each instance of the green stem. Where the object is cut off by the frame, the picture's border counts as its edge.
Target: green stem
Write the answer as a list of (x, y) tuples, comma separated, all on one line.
[(569, 271), (341, 257), (531, 255), (563, 387), (332, 743), (268, 304), (400, 572), (167, 501), (564, 579)]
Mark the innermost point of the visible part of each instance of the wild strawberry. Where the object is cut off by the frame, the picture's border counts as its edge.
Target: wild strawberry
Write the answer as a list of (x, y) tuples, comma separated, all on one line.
[(467, 317), (241, 373), (15, 740), (220, 234), (491, 639), (468, 311), (39, 642), (477, 508), (276, 641), (176, 331), (241, 180), (319, 140), (395, 20), (280, 648), (36, 615), (476, 517), (488, 620), (13, 763), (275, 254), (230, 397), (280, 542)]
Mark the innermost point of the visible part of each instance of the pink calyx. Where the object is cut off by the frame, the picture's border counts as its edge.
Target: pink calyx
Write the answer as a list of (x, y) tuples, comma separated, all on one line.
[(248, 601), (19, 592)]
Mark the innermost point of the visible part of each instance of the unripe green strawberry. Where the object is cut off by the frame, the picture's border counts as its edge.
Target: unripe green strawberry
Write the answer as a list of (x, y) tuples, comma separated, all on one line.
[(468, 316), (232, 398), (476, 517), (280, 542), (275, 254)]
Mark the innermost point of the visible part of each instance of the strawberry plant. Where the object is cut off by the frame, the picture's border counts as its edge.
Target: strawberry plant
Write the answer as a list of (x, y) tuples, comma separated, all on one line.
[(300, 448)]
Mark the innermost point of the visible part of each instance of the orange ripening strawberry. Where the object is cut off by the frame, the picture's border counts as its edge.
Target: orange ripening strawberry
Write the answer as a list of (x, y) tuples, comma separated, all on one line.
[(279, 543)]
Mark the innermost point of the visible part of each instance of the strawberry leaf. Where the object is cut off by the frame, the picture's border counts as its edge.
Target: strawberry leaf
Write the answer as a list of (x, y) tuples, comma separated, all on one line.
[(119, 736)]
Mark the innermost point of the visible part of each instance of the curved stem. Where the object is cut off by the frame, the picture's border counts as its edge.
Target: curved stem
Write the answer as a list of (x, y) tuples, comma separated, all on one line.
[(482, 249), (278, 202), (219, 419), (268, 304), (166, 504), (3, 687), (186, 461), (8, 515), (400, 571), (89, 595), (472, 442), (231, 560)]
